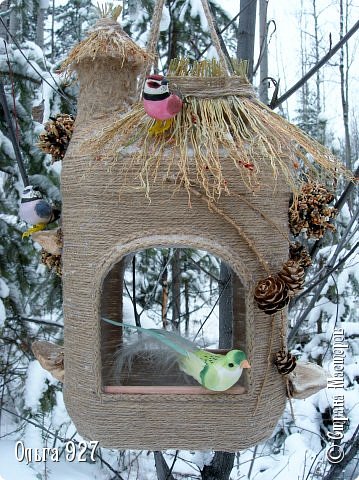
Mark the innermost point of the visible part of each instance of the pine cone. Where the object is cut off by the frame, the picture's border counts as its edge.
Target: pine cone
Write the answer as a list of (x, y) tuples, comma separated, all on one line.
[(57, 135), (271, 294), (310, 213), (300, 254), (285, 362), (293, 275)]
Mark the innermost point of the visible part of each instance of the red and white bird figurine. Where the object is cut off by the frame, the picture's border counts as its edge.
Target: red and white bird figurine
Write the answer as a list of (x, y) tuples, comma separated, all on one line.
[(158, 101)]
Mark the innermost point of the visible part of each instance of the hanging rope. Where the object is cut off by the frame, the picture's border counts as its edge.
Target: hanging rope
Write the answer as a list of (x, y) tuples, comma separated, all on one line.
[(12, 135), (154, 36), (213, 29)]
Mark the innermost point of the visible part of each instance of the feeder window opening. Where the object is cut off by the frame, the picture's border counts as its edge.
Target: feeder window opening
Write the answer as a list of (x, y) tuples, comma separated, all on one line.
[(163, 312)]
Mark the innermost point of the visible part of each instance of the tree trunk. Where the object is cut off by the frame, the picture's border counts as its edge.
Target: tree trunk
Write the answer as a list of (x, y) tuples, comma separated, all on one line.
[(3, 33), (40, 27), (164, 299), (176, 289), (225, 306), (15, 25), (162, 469), (263, 65), (246, 33), (53, 32), (343, 68), (220, 467), (186, 302)]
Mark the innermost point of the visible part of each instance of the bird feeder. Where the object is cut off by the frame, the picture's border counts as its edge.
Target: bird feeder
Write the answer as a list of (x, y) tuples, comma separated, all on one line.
[(105, 219)]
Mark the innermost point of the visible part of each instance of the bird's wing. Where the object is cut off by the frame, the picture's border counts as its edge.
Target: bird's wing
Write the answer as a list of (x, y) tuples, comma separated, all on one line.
[(174, 104), (171, 339)]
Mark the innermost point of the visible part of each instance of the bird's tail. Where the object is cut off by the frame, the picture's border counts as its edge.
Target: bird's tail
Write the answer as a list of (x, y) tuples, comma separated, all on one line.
[(172, 340), (159, 349)]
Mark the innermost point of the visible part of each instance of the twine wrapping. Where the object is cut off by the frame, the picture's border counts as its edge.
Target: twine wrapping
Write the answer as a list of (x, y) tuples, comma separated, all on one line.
[(211, 87), (100, 230)]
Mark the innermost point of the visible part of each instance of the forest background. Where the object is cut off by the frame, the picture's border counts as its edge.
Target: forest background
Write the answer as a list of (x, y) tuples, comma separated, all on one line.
[(290, 40)]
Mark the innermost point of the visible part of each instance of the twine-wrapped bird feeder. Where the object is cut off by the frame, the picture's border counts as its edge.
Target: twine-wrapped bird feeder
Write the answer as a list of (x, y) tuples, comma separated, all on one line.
[(219, 179)]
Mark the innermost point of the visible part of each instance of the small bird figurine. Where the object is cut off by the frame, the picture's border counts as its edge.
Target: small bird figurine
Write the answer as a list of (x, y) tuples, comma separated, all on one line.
[(213, 371), (35, 210), (159, 103)]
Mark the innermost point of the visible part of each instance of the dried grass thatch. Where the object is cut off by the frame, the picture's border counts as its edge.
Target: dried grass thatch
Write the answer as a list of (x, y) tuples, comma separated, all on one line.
[(107, 39), (221, 121)]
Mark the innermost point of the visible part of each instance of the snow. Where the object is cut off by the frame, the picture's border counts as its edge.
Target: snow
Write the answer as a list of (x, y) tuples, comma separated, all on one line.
[(197, 10), (11, 469), (45, 184), (2, 313), (6, 146), (4, 289), (274, 459), (36, 384), (165, 19)]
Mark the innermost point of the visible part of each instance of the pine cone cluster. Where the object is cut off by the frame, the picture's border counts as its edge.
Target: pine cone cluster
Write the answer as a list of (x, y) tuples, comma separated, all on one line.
[(271, 294), (293, 276), (300, 254), (311, 213), (53, 262), (57, 135), (285, 362)]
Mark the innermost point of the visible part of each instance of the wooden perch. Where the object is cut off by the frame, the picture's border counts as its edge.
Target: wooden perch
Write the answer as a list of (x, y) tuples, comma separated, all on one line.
[(307, 379), (49, 240), (51, 358)]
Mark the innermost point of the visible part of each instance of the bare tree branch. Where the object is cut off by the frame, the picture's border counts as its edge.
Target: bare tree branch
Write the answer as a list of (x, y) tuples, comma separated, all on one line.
[(64, 440), (316, 67), (35, 320), (162, 469), (350, 450), (321, 282)]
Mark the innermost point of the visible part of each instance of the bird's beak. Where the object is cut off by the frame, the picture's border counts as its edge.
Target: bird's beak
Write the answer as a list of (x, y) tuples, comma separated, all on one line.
[(245, 364)]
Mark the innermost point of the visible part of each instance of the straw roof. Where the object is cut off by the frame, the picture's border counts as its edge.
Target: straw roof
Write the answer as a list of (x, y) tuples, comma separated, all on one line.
[(106, 39)]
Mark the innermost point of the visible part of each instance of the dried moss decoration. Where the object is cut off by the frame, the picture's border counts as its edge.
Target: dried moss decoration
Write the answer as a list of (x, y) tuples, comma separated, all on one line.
[(221, 121), (310, 213), (107, 39)]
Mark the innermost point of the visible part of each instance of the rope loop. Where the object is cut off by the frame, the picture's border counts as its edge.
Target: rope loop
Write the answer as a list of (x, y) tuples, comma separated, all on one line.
[(154, 36)]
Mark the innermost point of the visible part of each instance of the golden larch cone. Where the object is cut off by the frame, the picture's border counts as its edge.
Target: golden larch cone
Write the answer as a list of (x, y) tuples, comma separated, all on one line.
[(311, 213)]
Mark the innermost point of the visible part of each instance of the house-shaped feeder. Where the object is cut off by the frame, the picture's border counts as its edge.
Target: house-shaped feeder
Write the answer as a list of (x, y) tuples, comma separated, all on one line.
[(106, 217)]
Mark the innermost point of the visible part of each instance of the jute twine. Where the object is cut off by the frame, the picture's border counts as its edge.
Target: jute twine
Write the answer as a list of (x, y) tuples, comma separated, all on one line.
[(154, 36), (99, 231), (211, 87)]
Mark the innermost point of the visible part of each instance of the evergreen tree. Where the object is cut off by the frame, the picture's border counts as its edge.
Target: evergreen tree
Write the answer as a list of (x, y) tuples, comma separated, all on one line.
[(184, 29), (72, 21)]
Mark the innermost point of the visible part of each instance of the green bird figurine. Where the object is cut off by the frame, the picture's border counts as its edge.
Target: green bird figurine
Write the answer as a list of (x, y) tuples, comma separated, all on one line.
[(213, 371)]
